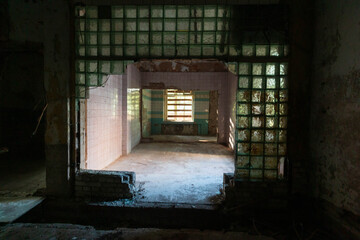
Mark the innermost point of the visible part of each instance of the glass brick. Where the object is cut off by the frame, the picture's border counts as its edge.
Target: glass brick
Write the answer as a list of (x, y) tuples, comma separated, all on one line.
[(104, 51), (143, 38), (243, 109), (244, 68), (243, 148), (283, 95), (248, 50), (257, 135), (156, 11), (195, 25), (243, 82), (283, 108), (243, 96), (283, 122), (270, 149), (104, 39), (170, 25), (257, 122), (183, 11), (256, 96), (276, 50), (117, 25), (270, 135), (195, 50), (271, 122), (170, 11), (117, 67), (144, 24), (270, 109), (143, 12), (222, 26), (81, 51), (130, 51), (208, 50), (209, 25), (80, 78), (262, 50), (118, 51), (270, 162), (283, 82), (117, 11), (143, 50), (91, 66), (182, 50), (182, 38), (270, 83), (195, 38), (91, 39), (243, 122), (104, 25), (282, 149), (257, 149), (130, 38), (257, 69), (169, 50), (242, 161), (183, 25), (156, 25), (257, 162), (283, 68), (92, 79), (130, 25), (270, 68), (156, 50), (196, 11), (257, 82), (270, 96), (282, 136), (91, 25), (105, 67), (244, 135), (130, 11), (257, 109), (91, 12), (210, 11), (156, 38), (209, 38), (80, 66)]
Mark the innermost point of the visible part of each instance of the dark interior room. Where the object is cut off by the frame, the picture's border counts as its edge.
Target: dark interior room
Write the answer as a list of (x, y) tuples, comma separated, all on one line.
[(178, 119)]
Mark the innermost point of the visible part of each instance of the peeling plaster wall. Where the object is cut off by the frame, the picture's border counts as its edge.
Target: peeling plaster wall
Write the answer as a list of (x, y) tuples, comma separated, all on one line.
[(335, 113)]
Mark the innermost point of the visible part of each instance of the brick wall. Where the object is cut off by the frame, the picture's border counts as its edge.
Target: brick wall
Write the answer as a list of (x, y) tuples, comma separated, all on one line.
[(92, 185)]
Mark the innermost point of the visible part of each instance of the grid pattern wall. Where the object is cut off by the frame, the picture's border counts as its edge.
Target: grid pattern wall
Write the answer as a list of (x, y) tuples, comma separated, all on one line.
[(108, 33), (261, 120)]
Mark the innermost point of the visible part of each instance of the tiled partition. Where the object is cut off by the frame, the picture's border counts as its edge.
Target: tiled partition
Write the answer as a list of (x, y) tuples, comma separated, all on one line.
[(104, 123)]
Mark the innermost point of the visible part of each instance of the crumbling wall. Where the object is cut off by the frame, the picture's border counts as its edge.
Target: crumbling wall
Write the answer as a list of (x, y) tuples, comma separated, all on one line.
[(93, 185), (335, 112)]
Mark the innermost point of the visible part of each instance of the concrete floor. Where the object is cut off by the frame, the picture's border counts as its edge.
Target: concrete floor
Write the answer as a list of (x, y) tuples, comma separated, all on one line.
[(70, 231), (188, 172), (20, 180)]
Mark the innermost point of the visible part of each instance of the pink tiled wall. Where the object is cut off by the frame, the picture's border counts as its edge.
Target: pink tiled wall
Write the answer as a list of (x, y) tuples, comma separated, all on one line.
[(133, 134), (220, 81), (104, 123)]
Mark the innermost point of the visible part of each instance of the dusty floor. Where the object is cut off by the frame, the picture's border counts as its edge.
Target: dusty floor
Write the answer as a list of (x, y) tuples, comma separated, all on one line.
[(188, 172), (20, 180), (70, 231), (181, 138)]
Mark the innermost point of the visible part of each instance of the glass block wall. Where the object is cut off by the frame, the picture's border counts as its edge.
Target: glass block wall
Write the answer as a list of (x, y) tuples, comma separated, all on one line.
[(261, 120), (108, 38)]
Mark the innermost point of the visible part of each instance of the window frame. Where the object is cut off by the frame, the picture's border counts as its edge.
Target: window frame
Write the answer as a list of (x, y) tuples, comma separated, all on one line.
[(166, 115)]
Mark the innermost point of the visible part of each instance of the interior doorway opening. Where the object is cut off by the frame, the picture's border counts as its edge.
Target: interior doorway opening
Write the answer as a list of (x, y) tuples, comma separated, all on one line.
[(171, 124)]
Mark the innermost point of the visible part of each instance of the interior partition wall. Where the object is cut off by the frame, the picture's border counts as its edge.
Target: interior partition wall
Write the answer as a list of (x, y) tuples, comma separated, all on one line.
[(252, 40)]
